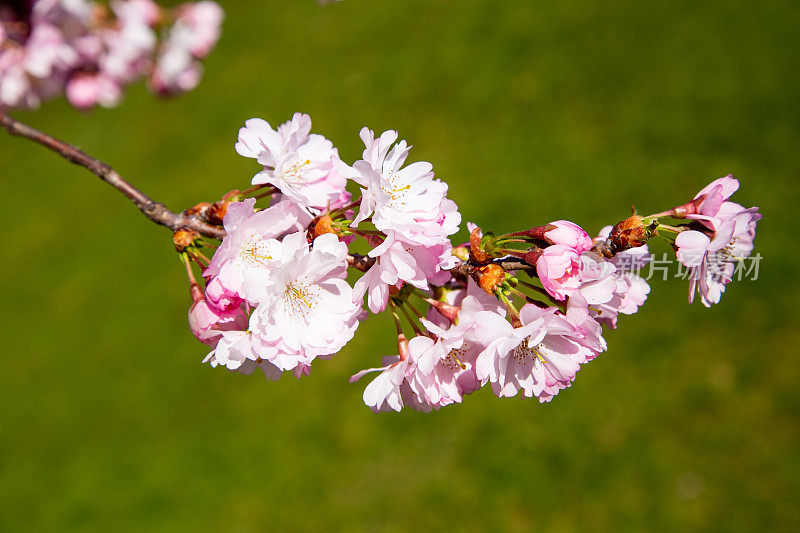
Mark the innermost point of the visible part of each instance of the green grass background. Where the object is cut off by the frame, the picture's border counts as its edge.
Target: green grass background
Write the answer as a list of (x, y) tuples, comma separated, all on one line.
[(532, 111)]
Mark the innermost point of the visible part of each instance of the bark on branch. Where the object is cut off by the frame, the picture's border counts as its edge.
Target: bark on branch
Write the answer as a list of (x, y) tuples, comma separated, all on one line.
[(154, 211)]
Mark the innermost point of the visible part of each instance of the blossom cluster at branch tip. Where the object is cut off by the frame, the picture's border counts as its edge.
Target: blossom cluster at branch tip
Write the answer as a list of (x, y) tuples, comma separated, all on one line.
[(90, 52), (518, 313)]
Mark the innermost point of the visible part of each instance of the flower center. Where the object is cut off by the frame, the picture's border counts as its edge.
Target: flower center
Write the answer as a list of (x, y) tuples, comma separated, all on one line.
[(453, 360), (296, 172), (257, 251), (395, 190), (573, 270), (300, 298), (524, 353), (726, 253)]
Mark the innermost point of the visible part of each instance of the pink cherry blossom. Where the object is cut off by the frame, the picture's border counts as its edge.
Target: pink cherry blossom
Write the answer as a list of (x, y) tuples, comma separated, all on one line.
[(309, 310), (401, 263), (558, 268), (251, 250), (594, 298), (237, 351), (714, 194), (302, 165), (68, 48), (194, 34), (202, 22), (87, 90), (445, 368), (384, 392), (540, 357), (711, 260), (471, 300), (406, 200), (431, 373)]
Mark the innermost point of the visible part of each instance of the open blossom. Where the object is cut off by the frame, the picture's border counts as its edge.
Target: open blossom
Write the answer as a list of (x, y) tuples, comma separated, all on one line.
[(191, 38), (558, 268), (69, 48), (597, 286), (406, 200), (402, 263), (238, 351), (87, 90), (431, 373), (630, 294), (384, 392), (712, 260), (446, 366), (251, 250), (202, 21), (540, 357), (713, 196), (309, 309), (302, 165), (426, 375)]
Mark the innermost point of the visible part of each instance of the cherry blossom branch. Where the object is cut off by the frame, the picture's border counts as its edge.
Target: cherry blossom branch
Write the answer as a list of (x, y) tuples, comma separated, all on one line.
[(152, 210)]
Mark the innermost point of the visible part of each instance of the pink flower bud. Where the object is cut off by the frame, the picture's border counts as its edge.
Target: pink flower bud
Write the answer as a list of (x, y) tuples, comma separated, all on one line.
[(207, 322), (220, 297), (568, 234), (559, 269)]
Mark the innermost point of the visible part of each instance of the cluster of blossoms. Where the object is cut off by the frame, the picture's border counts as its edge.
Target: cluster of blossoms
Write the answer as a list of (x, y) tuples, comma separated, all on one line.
[(91, 52), (517, 312)]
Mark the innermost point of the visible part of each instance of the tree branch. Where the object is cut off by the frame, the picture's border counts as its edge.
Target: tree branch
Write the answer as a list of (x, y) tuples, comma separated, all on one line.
[(154, 211)]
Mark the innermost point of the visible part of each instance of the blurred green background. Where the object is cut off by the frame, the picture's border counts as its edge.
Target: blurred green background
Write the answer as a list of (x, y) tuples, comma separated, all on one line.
[(532, 111)]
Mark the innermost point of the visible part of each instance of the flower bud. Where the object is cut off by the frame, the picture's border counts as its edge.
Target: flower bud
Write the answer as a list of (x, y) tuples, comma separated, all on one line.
[(490, 277), (184, 238), (207, 323), (558, 268), (449, 311), (569, 234), (323, 225), (629, 233)]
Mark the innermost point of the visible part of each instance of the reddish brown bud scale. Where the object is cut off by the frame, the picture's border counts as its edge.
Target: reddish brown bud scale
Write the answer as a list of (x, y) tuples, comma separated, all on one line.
[(532, 255), (323, 225), (216, 212), (475, 247), (489, 277), (395, 290), (196, 292), (537, 232), (184, 238), (198, 209), (629, 233)]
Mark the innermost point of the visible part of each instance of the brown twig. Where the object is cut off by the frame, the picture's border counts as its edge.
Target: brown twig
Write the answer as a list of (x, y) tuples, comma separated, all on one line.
[(360, 262), (154, 211)]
